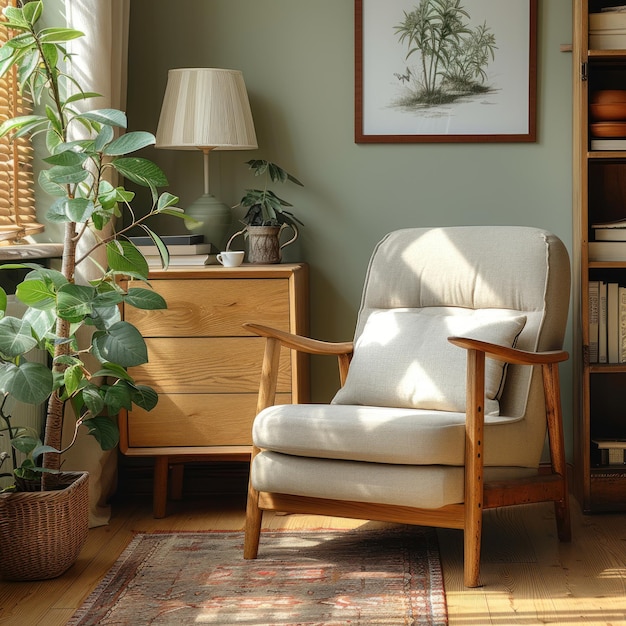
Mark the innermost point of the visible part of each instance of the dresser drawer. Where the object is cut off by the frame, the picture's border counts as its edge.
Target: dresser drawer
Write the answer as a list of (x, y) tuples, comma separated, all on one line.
[(214, 307), (204, 365), (196, 420)]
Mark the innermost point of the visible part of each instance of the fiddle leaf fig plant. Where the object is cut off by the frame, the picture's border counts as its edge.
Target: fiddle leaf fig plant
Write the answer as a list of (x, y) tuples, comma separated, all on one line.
[(60, 307)]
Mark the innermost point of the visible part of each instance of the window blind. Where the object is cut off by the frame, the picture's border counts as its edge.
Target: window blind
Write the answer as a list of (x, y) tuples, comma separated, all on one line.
[(18, 216)]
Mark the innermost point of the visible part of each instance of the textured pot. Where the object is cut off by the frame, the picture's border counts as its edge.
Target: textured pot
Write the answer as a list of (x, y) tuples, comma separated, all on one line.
[(43, 532), (264, 243)]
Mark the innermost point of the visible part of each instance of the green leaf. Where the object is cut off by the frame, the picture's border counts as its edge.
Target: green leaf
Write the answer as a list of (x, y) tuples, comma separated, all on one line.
[(71, 175), (3, 300), (129, 142), (74, 302), (121, 344), (145, 397), (37, 294), (110, 117), (105, 430), (140, 171), (92, 399), (119, 396), (72, 378), (108, 299), (20, 121), (24, 444), (16, 337), (42, 322), (59, 35), (104, 137), (32, 383), (32, 11), (112, 370), (66, 158), (145, 299), (78, 209), (123, 256)]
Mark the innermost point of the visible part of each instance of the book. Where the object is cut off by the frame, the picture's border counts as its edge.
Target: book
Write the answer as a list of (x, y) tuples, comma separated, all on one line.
[(608, 144), (621, 223), (602, 338), (183, 259), (612, 323), (622, 324), (607, 250), (179, 250), (168, 240), (610, 234), (594, 328)]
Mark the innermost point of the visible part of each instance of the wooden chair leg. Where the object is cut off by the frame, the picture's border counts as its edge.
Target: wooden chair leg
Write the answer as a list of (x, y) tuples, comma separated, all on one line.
[(556, 442), (159, 502), (254, 517)]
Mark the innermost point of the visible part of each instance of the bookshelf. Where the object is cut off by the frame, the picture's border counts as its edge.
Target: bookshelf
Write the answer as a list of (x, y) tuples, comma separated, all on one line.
[(599, 198)]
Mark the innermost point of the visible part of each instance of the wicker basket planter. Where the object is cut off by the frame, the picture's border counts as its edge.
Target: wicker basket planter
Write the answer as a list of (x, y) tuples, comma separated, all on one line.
[(42, 533)]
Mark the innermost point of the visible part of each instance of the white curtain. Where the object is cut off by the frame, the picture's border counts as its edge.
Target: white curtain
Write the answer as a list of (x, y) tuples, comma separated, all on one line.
[(99, 65)]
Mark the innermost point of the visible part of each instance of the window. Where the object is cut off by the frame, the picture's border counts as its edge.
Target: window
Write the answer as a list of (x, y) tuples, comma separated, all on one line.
[(17, 197)]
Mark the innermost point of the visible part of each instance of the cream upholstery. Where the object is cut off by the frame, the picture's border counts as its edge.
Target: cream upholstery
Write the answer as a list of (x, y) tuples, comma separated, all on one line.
[(400, 432)]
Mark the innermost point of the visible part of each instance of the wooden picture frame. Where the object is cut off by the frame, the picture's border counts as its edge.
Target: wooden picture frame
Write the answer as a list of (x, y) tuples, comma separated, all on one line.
[(480, 86)]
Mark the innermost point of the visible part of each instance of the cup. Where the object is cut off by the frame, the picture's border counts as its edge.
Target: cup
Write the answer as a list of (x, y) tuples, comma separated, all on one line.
[(231, 258)]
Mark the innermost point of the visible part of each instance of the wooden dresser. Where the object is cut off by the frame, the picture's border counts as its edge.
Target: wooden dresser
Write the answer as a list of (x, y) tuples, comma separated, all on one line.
[(206, 368)]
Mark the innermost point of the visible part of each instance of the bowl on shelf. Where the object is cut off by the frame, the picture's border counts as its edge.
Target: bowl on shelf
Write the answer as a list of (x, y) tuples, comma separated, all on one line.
[(608, 96), (609, 112), (608, 129)]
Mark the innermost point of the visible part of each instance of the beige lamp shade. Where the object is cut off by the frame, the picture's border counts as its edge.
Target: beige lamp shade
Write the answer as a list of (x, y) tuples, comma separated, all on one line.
[(206, 108)]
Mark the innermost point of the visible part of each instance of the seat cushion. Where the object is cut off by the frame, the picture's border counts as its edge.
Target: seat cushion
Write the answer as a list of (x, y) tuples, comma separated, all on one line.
[(403, 358), (387, 435)]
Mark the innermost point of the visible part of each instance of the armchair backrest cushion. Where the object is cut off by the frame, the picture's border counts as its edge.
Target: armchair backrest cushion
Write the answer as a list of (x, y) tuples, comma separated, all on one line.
[(517, 277)]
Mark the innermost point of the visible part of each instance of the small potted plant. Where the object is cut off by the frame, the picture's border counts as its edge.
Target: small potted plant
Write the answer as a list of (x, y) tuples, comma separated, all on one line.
[(266, 216), (44, 530)]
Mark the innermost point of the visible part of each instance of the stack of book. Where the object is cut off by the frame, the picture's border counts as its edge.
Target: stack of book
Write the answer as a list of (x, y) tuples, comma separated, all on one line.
[(610, 241), (607, 322), (184, 250)]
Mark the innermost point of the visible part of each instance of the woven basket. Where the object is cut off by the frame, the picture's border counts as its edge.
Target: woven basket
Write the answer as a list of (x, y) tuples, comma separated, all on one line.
[(42, 533)]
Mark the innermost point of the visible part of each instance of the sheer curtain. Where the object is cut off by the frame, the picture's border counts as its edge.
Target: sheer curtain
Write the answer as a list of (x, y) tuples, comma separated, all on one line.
[(100, 65)]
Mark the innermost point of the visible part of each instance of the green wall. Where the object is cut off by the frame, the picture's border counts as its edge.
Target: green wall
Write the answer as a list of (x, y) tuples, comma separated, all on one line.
[(297, 58)]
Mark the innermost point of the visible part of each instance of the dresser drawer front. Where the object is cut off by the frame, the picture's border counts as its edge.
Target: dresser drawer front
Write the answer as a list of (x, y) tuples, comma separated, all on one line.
[(196, 420), (213, 307), (227, 365)]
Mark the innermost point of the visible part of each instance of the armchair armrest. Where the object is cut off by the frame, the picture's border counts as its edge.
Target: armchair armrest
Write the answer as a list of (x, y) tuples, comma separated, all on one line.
[(510, 355), (276, 338)]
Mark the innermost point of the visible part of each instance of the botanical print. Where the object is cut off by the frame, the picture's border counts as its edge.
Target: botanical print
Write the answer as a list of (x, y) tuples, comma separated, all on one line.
[(446, 67)]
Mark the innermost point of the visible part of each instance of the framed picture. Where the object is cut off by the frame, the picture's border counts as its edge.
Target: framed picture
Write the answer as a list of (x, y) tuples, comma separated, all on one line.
[(445, 71)]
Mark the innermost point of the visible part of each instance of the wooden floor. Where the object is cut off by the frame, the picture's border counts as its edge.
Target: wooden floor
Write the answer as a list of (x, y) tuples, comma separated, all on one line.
[(528, 576)]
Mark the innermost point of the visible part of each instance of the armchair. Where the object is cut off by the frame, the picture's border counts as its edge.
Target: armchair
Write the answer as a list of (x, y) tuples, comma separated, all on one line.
[(447, 391)]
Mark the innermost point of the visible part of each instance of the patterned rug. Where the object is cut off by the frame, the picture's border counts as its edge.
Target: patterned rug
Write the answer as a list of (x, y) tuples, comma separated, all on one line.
[(323, 578)]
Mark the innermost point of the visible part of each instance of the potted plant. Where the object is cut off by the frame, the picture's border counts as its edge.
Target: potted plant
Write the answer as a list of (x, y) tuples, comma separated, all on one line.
[(266, 216), (46, 529)]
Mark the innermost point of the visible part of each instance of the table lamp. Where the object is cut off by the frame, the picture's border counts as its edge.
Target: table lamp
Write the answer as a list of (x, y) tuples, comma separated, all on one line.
[(206, 109)]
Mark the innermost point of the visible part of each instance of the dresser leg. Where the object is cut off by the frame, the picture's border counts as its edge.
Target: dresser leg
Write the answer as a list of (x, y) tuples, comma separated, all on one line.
[(159, 503)]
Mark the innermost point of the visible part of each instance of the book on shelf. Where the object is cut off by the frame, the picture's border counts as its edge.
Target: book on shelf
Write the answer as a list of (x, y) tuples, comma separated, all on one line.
[(612, 322), (607, 250), (608, 144), (622, 325), (168, 240), (594, 318), (602, 338), (180, 250), (610, 234), (154, 260), (621, 223)]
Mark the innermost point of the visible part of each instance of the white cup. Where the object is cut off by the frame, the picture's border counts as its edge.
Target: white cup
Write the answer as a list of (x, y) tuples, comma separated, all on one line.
[(231, 258)]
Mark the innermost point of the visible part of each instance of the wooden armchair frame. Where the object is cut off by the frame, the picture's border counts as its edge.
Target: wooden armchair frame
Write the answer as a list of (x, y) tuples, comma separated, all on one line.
[(467, 516)]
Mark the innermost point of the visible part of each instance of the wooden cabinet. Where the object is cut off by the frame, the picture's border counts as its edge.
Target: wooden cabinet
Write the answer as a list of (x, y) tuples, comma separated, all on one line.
[(599, 196), (206, 368)]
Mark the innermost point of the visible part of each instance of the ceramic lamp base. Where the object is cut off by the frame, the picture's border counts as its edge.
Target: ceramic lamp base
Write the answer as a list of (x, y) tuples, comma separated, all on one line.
[(214, 219)]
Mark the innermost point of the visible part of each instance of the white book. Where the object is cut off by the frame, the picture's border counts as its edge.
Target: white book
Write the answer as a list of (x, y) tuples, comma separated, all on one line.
[(610, 234), (187, 259), (612, 322), (608, 144), (594, 328), (612, 224), (602, 338), (622, 324), (607, 250)]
